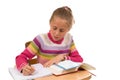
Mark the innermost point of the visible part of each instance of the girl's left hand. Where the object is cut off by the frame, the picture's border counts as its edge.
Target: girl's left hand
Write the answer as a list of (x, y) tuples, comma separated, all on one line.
[(55, 60)]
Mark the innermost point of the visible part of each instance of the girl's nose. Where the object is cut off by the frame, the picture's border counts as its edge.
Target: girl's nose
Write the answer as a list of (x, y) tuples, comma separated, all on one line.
[(57, 33)]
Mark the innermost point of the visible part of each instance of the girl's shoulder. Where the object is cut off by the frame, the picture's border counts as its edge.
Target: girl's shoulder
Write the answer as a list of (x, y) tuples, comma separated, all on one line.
[(68, 39), (42, 35), (68, 36)]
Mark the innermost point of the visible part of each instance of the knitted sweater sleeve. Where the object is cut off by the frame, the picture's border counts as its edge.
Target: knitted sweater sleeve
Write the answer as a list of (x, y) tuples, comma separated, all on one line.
[(74, 54), (28, 53)]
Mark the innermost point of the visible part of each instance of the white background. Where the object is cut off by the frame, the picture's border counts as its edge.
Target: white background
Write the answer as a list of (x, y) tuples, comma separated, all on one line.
[(96, 31)]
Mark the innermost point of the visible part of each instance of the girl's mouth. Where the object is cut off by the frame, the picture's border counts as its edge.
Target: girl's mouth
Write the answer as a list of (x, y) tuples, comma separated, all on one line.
[(56, 38)]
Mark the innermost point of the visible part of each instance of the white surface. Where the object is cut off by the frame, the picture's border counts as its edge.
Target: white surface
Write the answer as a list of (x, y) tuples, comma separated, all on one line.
[(40, 71), (96, 31)]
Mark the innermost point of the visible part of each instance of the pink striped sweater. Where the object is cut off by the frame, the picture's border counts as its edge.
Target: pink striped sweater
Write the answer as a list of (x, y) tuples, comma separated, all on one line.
[(46, 48)]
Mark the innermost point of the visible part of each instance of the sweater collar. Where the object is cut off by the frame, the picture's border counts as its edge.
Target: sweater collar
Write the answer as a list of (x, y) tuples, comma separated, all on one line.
[(57, 42)]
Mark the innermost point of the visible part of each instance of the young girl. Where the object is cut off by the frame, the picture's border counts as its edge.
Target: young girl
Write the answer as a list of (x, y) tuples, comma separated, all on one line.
[(51, 47)]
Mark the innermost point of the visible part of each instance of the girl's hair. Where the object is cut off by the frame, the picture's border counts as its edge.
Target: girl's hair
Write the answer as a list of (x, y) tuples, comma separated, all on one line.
[(65, 13)]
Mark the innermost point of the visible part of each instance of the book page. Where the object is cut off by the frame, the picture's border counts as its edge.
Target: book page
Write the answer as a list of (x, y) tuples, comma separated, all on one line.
[(40, 71), (89, 68), (68, 64)]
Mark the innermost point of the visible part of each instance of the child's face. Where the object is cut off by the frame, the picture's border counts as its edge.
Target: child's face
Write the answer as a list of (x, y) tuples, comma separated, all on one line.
[(58, 28)]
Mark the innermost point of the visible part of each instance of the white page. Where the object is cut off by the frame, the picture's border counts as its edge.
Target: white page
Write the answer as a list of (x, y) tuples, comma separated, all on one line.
[(68, 64), (40, 71)]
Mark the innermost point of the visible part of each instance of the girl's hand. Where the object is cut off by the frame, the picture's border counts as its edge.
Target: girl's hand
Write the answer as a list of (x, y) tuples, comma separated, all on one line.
[(55, 60), (27, 70)]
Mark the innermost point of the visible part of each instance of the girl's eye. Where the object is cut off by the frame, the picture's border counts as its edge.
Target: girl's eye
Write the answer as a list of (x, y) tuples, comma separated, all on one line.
[(61, 30), (54, 28)]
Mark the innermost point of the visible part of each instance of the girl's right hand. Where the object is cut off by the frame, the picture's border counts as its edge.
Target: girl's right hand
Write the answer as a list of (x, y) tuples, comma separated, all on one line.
[(27, 70)]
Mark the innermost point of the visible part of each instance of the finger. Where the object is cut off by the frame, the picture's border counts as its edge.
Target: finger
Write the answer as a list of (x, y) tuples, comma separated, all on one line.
[(32, 69), (49, 64), (25, 72), (56, 62), (28, 70), (45, 65)]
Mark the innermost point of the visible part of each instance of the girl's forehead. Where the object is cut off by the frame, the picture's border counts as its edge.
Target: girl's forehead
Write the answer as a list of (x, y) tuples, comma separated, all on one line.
[(56, 18), (59, 21)]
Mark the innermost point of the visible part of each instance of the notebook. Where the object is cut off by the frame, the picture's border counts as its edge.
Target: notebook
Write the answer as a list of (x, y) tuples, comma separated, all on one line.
[(40, 71)]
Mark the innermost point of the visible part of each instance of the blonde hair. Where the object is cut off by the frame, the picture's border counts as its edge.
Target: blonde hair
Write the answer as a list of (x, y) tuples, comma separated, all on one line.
[(65, 13)]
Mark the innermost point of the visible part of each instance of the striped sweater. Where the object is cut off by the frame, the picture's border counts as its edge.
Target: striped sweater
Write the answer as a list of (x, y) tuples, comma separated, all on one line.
[(46, 48)]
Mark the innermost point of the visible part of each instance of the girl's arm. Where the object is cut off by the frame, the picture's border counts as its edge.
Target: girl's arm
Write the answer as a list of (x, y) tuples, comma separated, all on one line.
[(22, 59), (28, 53), (74, 54)]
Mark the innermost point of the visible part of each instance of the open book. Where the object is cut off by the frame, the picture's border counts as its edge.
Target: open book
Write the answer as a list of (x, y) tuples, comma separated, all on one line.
[(62, 67)]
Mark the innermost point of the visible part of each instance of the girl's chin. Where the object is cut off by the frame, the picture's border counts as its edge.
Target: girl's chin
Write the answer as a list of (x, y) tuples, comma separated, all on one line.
[(56, 39)]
